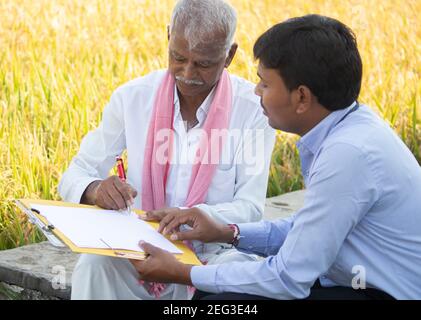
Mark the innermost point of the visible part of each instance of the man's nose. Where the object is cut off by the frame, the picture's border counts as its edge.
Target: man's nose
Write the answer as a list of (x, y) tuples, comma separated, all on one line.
[(189, 71)]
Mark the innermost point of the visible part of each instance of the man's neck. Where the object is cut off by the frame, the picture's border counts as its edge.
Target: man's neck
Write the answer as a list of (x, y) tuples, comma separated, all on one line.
[(190, 104), (313, 120)]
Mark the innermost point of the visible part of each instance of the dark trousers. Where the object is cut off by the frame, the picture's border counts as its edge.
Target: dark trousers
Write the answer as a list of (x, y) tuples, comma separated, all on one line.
[(317, 292)]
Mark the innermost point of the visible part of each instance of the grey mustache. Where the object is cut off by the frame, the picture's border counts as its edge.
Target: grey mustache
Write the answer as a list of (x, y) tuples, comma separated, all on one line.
[(196, 82)]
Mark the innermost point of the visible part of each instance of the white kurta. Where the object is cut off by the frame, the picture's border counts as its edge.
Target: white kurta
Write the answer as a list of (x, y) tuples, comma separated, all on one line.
[(236, 194)]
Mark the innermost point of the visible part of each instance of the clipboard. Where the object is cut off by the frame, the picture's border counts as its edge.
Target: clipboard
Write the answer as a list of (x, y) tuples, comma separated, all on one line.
[(58, 239)]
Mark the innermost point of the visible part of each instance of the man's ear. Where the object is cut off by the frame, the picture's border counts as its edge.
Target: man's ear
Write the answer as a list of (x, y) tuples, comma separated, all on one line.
[(168, 32), (303, 99), (231, 54)]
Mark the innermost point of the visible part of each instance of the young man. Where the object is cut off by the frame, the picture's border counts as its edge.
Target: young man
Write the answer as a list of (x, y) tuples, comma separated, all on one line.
[(172, 122), (358, 234)]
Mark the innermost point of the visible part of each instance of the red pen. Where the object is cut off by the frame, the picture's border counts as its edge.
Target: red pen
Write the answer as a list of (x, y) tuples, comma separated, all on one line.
[(122, 175), (120, 169)]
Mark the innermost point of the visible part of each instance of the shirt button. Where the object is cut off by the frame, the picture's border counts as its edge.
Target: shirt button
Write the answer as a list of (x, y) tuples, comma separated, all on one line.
[(194, 139)]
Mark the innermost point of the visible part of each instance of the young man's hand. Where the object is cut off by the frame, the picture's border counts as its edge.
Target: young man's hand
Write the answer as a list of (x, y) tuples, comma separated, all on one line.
[(158, 215), (161, 266), (203, 227)]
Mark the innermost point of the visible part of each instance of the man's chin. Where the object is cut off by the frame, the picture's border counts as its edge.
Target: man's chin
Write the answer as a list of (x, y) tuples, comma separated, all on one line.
[(274, 125)]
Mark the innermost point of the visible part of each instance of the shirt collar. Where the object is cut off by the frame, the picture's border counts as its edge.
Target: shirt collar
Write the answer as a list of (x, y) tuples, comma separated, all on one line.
[(202, 111), (313, 139)]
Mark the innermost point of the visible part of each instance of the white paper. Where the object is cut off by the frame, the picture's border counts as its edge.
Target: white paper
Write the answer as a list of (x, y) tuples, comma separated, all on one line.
[(86, 227)]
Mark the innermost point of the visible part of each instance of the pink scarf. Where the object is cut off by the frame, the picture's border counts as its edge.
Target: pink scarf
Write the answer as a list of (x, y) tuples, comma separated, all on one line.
[(155, 172)]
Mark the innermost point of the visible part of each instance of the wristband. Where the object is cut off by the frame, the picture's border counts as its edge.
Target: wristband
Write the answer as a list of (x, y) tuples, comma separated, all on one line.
[(236, 234)]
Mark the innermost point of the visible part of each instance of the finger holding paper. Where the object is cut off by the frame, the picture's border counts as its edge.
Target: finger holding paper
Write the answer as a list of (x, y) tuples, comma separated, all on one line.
[(203, 227), (170, 216), (164, 216), (158, 215), (161, 266)]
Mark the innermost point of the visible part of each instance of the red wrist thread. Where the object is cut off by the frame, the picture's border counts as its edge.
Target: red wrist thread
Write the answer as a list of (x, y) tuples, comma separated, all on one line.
[(236, 234)]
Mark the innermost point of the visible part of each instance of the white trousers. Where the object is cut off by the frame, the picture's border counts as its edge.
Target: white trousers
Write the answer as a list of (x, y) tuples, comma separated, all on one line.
[(108, 278)]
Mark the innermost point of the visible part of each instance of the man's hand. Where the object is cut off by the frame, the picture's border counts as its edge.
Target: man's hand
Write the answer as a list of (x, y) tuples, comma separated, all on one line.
[(203, 227), (110, 193), (161, 266), (158, 215)]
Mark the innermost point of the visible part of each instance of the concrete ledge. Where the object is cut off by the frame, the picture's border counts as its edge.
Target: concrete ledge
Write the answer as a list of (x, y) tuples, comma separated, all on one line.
[(36, 267), (29, 272), (12, 292), (284, 205)]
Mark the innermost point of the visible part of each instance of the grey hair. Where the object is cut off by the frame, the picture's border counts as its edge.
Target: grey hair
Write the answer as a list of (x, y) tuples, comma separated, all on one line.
[(200, 17)]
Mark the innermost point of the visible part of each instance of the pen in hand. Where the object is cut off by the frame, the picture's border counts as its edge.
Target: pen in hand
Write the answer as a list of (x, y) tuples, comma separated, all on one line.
[(122, 175)]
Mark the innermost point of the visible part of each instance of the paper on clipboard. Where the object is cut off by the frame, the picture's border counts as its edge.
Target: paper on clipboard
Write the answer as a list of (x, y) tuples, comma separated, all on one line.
[(95, 228), (59, 239)]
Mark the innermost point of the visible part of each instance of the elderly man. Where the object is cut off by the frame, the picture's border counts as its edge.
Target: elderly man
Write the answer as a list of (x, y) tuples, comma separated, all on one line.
[(195, 137), (358, 233)]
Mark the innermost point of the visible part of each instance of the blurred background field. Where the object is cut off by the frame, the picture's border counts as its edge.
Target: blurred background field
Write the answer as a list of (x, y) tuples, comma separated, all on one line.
[(60, 60)]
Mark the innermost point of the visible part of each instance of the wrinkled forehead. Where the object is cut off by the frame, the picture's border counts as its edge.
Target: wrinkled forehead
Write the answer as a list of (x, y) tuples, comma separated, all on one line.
[(212, 43)]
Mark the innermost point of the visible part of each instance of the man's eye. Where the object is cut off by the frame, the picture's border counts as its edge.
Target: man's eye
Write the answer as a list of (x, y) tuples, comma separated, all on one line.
[(263, 85), (177, 58), (204, 64)]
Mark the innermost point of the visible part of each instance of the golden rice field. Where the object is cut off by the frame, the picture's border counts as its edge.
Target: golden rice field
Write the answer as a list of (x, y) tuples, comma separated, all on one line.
[(60, 60)]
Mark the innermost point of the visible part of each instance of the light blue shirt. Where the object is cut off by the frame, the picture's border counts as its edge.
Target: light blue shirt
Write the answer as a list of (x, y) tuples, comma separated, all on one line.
[(360, 224)]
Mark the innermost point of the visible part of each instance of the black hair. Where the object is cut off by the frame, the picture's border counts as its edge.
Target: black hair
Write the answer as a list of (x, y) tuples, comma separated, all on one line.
[(315, 51)]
